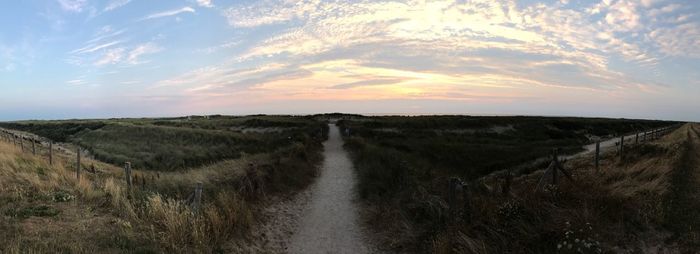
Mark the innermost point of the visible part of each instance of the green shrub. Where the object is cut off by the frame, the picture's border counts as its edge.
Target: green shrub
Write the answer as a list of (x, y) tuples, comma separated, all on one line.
[(36, 211)]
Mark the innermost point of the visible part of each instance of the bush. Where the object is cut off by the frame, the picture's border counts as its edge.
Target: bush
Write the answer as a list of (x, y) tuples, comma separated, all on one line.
[(36, 211)]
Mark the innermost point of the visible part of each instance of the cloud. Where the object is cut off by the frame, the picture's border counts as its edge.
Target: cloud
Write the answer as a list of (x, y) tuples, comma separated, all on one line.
[(681, 41), (650, 3), (143, 49), (623, 16), (276, 12), (225, 77), (119, 55), (112, 56), (372, 82), (216, 48), (447, 50), (73, 5), (169, 13), (95, 47), (205, 3), (115, 4), (76, 82)]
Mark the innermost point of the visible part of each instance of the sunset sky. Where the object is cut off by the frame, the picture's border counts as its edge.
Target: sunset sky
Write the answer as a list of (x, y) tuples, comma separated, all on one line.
[(134, 58)]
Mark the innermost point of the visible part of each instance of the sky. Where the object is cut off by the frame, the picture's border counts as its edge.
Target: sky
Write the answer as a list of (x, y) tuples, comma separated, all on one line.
[(137, 58)]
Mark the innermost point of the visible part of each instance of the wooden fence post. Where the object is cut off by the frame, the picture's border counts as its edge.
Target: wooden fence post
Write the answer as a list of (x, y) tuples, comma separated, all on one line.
[(127, 174), (507, 181), (597, 156), (197, 197), (21, 143), (50, 152), (555, 158), (453, 185), (622, 145), (636, 138), (77, 165), (33, 147)]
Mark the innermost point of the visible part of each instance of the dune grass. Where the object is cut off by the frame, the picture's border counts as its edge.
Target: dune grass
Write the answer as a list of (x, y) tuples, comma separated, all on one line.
[(403, 183), (169, 144), (46, 209), (471, 147)]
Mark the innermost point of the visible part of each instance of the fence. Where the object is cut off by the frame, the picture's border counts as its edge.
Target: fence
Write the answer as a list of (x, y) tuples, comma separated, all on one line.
[(131, 179), (551, 173)]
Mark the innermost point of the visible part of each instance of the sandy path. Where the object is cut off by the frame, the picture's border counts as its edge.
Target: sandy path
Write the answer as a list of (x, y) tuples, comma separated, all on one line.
[(329, 223), (606, 144)]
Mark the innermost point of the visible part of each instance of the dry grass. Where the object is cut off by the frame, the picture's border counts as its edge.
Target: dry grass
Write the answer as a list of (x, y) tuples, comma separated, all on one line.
[(45, 208), (98, 212), (614, 207), (621, 209)]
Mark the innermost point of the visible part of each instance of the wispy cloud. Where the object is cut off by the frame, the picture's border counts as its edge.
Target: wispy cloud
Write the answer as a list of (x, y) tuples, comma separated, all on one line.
[(143, 49), (503, 51), (105, 32), (123, 55), (205, 3), (249, 15), (73, 5), (112, 56), (371, 82), (92, 47), (131, 82), (216, 48), (475, 49), (115, 4), (169, 13), (76, 82)]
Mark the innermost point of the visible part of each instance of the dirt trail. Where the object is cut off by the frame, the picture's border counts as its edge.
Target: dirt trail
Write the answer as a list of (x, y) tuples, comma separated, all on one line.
[(329, 223), (610, 143)]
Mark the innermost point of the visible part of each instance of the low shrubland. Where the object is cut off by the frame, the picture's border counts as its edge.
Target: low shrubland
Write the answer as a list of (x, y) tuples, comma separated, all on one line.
[(44, 208), (471, 147), (404, 166), (59, 131), (169, 144)]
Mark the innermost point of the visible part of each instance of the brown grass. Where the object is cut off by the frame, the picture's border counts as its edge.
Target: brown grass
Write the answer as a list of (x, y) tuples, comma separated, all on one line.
[(621, 209), (101, 214)]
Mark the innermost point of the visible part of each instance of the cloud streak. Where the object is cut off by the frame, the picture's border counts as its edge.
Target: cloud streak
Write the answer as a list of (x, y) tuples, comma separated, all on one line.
[(169, 13), (115, 4), (73, 5)]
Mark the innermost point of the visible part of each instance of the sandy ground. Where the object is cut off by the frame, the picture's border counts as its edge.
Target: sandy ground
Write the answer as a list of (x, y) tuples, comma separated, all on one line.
[(282, 219), (324, 217), (330, 222), (607, 144)]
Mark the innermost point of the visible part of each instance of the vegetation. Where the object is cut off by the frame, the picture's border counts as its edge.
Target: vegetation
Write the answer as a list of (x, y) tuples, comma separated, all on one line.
[(471, 147), (176, 143), (404, 163), (56, 131), (46, 209), (403, 166)]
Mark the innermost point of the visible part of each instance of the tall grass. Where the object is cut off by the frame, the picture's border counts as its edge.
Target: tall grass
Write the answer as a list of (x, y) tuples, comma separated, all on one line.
[(176, 143), (99, 213), (403, 183)]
